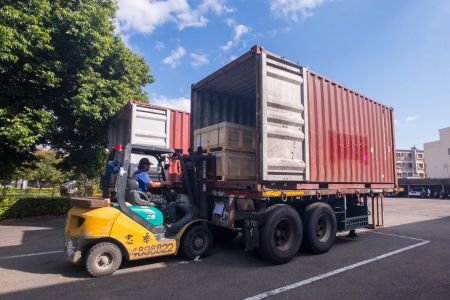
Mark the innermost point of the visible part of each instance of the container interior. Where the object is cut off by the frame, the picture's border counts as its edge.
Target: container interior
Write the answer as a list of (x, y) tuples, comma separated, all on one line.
[(230, 97)]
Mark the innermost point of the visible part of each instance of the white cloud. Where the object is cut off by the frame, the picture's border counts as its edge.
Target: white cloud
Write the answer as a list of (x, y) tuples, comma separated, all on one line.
[(238, 31), (180, 103), (294, 9), (159, 45), (199, 59), (144, 16), (411, 118), (217, 6), (275, 32), (174, 57)]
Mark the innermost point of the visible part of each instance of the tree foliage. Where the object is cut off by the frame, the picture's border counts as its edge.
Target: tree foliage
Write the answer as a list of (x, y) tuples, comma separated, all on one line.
[(63, 74), (46, 169)]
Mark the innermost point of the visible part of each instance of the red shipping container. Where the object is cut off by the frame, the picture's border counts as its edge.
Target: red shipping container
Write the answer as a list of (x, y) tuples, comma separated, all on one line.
[(311, 132), (180, 126)]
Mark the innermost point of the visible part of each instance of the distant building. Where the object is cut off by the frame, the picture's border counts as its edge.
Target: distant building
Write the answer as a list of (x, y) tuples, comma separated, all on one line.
[(437, 155), (410, 163)]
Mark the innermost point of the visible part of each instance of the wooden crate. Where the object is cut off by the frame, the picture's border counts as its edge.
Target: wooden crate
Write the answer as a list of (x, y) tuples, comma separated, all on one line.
[(226, 136), (232, 165)]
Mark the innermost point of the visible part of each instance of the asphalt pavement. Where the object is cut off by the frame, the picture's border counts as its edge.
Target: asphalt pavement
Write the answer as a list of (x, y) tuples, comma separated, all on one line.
[(408, 258)]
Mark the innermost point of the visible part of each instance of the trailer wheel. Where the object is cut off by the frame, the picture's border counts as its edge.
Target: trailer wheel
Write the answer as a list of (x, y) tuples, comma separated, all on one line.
[(281, 234), (103, 259), (196, 242), (319, 227)]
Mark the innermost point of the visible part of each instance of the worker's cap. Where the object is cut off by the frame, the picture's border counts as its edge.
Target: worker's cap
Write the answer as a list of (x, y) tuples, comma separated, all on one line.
[(144, 161)]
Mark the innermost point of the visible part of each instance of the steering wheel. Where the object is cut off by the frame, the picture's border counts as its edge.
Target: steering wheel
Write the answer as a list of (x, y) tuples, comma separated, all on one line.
[(146, 201)]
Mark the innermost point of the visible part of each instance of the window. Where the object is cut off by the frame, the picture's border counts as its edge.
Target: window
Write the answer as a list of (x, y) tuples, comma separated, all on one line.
[(399, 154), (448, 151), (399, 165), (419, 155), (421, 175), (419, 166), (399, 174), (410, 174), (409, 165)]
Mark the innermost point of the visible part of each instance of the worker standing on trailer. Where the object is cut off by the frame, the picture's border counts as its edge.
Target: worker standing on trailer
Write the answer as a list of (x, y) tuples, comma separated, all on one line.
[(144, 181)]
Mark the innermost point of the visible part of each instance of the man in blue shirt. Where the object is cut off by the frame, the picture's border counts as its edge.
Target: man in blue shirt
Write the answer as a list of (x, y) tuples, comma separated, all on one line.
[(144, 181)]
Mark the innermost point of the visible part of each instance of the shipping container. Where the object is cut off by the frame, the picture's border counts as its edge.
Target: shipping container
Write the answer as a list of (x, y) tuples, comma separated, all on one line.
[(311, 132), (151, 125)]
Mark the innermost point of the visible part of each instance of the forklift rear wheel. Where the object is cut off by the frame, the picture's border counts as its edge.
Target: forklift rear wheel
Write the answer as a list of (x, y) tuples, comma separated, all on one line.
[(320, 227), (281, 234), (103, 259), (196, 242)]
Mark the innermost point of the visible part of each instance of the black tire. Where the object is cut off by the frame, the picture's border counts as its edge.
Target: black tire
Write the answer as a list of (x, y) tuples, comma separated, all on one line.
[(281, 234), (319, 227), (103, 259), (196, 242), (223, 235)]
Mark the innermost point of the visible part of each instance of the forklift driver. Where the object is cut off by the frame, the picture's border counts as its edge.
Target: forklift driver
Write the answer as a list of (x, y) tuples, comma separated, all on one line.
[(144, 181)]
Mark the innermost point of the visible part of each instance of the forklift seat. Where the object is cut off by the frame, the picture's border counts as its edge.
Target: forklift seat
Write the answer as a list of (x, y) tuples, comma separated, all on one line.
[(134, 196)]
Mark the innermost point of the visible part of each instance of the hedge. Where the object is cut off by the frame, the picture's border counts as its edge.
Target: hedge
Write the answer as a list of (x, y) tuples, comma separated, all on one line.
[(14, 192), (32, 207)]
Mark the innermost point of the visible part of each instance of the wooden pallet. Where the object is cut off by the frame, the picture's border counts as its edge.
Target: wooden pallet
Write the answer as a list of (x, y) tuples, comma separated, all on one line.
[(89, 202)]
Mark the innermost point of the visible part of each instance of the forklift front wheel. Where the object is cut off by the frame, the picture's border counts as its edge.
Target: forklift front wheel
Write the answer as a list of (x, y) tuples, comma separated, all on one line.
[(196, 242), (103, 259)]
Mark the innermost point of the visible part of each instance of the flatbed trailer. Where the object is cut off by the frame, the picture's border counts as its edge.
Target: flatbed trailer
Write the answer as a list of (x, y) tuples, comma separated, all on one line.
[(245, 211), (275, 221)]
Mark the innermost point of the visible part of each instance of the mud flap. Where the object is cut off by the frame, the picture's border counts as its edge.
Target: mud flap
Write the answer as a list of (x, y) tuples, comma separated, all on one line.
[(251, 233)]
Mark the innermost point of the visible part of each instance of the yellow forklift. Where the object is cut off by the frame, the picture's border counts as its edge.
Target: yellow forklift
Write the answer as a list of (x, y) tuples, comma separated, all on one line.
[(128, 224)]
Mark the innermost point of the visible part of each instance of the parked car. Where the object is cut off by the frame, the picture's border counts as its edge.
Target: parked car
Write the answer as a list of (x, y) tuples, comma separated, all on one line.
[(69, 188), (419, 192)]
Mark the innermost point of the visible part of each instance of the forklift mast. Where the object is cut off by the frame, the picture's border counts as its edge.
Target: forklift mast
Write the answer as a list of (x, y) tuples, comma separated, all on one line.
[(198, 169)]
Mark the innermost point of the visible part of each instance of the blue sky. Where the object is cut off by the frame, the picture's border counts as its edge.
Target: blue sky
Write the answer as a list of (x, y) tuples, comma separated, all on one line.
[(396, 52)]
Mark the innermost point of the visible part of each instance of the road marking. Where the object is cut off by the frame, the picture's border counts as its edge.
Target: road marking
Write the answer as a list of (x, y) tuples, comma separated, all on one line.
[(31, 254), (401, 236), (340, 270)]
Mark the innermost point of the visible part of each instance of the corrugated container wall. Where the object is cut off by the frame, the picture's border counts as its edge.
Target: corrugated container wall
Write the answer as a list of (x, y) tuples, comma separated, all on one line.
[(350, 136)]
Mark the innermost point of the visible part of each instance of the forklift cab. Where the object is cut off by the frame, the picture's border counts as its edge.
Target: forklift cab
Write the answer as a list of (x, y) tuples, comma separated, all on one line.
[(168, 210)]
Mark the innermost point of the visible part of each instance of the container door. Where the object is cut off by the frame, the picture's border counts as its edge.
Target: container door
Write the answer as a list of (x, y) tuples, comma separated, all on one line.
[(283, 120), (150, 126)]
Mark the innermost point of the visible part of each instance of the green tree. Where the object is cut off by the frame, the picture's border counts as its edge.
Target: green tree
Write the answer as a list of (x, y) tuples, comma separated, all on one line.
[(64, 73), (46, 169)]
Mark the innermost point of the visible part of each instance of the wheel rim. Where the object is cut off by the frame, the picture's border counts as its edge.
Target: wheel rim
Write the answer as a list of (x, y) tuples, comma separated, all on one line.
[(283, 234), (323, 228), (104, 260), (199, 242)]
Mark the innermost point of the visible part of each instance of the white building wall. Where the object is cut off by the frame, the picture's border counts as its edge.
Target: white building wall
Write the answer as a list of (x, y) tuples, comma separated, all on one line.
[(437, 156)]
